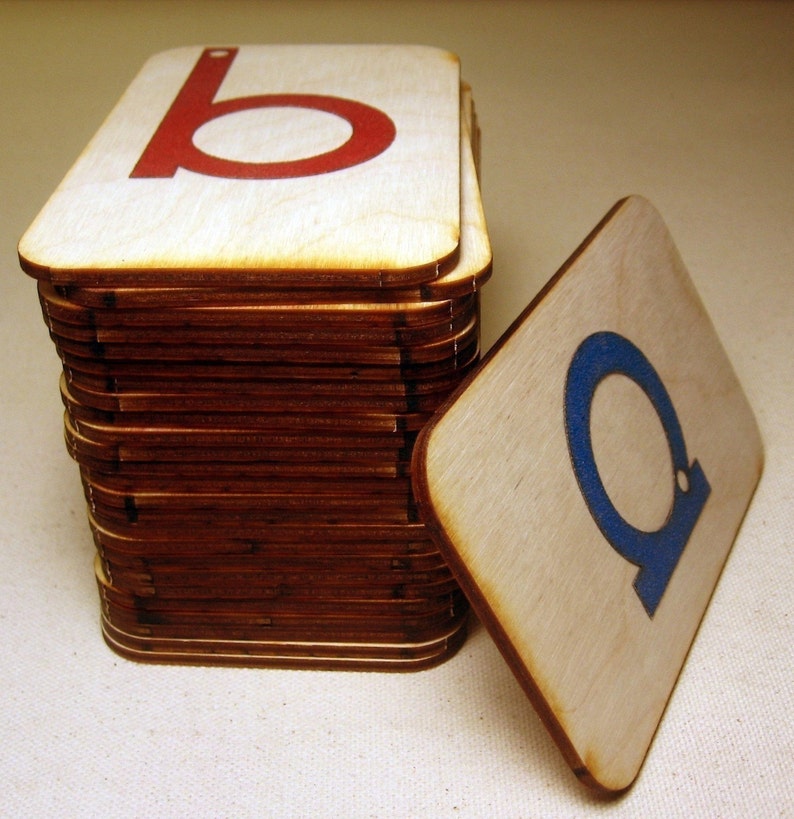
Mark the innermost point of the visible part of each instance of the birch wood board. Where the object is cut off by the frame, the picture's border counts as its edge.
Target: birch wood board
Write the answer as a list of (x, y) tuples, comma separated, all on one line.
[(500, 481), (391, 213)]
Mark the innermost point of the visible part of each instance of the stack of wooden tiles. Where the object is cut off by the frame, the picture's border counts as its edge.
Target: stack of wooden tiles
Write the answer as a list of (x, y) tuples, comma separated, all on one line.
[(251, 344)]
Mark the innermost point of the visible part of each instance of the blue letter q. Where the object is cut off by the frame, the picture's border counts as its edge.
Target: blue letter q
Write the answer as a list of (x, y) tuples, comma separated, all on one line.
[(656, 553)]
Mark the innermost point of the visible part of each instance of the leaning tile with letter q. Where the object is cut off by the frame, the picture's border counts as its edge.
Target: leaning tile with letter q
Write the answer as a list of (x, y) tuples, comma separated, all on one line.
[(586, 485)]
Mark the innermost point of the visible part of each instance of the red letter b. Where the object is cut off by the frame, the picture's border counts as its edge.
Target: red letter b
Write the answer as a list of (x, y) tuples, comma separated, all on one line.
[(172, 146)]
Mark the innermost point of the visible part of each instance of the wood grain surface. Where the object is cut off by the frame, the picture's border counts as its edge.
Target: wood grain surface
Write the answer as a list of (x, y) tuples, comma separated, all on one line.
[(495, 477), (393, 217)]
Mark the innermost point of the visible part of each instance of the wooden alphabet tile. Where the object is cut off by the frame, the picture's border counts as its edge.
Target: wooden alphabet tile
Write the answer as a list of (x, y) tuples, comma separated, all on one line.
[(586, 485), (265, 164)]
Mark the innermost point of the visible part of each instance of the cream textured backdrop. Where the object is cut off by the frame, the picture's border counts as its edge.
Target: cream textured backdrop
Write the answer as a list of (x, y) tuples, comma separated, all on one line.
[(689, 104)]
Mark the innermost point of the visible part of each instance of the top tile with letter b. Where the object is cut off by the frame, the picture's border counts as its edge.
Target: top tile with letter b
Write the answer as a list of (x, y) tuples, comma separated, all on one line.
[(293, 166)]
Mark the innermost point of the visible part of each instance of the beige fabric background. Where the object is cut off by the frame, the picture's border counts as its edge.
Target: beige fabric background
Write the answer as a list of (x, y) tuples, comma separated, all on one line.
[(690, 104)]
